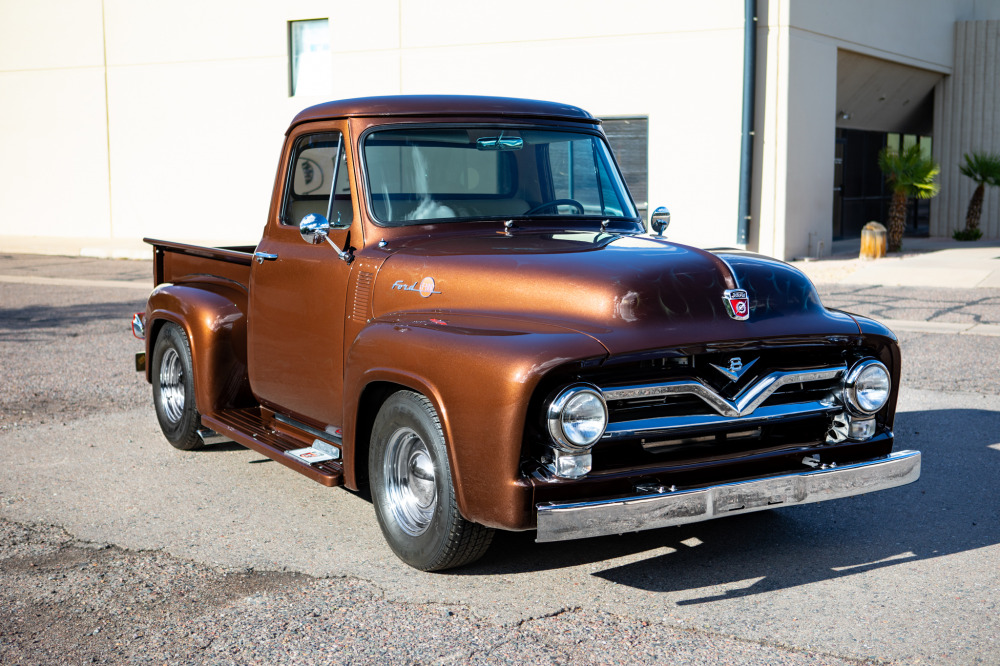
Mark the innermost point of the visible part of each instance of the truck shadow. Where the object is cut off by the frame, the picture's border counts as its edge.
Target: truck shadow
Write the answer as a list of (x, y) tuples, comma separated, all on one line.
[(951, 509), (34, 323)]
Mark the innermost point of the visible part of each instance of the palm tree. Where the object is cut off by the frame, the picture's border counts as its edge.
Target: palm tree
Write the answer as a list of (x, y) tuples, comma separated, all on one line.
[(909, 174), (984, 168)]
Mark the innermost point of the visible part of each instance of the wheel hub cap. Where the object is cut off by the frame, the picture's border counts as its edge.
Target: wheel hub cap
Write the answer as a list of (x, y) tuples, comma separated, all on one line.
[(411, 489), (172, 386)]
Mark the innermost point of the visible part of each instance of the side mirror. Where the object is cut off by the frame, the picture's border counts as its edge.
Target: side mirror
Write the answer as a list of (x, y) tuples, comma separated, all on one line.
[(660, 220), (314, 228)]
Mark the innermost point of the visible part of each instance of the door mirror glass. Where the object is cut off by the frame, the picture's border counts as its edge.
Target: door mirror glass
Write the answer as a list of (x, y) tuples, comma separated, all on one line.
[(314, 228), (660, 220)]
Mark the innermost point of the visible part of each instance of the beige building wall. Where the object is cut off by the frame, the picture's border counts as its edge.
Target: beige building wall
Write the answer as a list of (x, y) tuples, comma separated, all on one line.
[(196, 97), (54, 177), (130, 118), (798, 43)]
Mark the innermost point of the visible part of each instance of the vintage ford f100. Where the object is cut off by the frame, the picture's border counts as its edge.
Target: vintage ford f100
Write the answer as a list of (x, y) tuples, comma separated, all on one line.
[(455, 305)]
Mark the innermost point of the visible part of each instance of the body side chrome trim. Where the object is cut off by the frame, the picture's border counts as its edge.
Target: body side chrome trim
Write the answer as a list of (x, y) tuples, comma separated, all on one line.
[(665, 424), (746, 401), (558, 521), (315, 432)]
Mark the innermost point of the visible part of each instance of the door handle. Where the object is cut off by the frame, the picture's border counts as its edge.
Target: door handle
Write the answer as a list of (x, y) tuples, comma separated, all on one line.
[(261, 257)]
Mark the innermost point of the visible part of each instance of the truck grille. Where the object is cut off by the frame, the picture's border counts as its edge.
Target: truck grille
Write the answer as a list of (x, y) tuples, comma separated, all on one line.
[(687, 407)]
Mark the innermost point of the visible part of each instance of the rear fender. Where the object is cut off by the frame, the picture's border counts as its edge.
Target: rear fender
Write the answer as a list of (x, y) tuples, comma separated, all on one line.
[(213, 315)]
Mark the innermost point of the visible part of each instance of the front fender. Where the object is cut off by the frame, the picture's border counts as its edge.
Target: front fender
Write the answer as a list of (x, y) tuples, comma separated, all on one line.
[(479, 372), (214, 317)]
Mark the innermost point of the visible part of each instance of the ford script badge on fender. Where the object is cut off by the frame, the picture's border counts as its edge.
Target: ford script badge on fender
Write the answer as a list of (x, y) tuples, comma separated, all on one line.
[(425, 287), (737, 303)]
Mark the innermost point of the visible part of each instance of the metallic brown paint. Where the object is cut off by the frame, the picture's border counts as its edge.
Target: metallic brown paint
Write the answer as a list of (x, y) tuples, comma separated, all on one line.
[(213, 317), (631, 293), (513, 308), (443, 106), (479, 388)]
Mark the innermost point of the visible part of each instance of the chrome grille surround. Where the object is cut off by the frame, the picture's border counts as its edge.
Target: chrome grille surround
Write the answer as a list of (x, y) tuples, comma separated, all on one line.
[(745, 407)]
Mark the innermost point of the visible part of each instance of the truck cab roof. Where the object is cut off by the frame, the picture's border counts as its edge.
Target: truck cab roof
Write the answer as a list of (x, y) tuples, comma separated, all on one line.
[(443, 105)]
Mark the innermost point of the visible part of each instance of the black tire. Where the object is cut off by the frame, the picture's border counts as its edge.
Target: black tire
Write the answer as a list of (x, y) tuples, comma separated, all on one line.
[(173, 389), (412, 490)]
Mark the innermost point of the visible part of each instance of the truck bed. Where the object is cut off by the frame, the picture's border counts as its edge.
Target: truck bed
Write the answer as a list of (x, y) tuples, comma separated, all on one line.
[(180, 262)]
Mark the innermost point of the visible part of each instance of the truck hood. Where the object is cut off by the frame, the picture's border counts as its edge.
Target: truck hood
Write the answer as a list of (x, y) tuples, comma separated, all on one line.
[(631, 293)]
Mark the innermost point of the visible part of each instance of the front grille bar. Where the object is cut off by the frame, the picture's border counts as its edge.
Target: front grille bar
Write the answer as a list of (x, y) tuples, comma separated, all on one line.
[(667, 424), (748, 400)]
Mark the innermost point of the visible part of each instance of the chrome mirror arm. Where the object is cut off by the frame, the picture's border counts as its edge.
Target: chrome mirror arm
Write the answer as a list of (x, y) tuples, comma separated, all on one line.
[(346, 255), (315, 229)]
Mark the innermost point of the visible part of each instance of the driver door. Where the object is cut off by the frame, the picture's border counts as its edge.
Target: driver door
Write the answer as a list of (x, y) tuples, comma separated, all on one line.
[(298, 290)]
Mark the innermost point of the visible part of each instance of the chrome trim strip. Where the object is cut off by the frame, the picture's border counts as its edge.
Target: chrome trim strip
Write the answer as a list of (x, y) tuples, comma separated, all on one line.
[(315, 432), (558, 521), (732, 272), (665, 424), (746, 401)]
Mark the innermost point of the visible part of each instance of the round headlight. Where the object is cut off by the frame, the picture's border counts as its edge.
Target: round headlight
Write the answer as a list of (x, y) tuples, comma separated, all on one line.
[(866, 388), (577, 418)]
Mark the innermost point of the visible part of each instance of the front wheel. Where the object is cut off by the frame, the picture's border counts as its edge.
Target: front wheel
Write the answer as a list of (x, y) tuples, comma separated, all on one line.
[(173, 389), (412, 488)]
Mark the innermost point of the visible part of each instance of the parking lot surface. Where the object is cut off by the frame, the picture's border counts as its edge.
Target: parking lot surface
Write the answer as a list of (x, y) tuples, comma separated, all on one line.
[(117, 548)]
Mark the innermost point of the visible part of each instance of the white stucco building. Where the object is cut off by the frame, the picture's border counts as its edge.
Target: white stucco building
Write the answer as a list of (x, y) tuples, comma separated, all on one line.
[(128, 118)]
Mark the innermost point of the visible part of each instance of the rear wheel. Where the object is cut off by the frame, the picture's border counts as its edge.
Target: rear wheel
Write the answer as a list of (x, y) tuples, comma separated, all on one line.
[(412, 488), (173, 389)]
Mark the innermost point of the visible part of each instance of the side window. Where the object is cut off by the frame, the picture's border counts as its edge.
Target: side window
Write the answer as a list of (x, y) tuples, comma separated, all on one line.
[(629, 139), (580, 173), (318, 160)]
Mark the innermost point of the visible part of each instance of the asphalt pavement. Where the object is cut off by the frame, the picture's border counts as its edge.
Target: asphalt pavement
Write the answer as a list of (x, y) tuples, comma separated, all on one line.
[(117, 548)]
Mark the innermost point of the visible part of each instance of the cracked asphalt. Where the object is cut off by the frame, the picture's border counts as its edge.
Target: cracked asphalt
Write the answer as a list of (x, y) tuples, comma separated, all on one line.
[(117, 548)]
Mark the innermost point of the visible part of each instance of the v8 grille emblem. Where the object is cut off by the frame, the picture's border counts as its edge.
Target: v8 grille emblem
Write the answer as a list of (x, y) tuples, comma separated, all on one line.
[(736, 368)]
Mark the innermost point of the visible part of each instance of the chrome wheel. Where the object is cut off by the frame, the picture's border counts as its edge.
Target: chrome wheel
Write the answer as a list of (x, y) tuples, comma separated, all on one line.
[(172, 386), (410, 485), (412, 490)]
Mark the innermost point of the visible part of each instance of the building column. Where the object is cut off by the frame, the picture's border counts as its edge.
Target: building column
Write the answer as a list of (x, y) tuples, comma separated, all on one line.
[(966, 110)]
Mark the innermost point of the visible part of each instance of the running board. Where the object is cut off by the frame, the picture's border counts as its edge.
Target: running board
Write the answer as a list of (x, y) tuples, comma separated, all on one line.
[(247, 427)]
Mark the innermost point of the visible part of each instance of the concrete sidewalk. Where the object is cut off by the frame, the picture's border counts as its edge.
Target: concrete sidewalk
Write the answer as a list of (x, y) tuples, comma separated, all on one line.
[(924, 262), (936, 286), (950, 285)]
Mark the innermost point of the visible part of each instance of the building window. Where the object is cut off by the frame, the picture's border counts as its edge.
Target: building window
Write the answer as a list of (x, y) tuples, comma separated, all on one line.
[(310, 66), (629, 139)]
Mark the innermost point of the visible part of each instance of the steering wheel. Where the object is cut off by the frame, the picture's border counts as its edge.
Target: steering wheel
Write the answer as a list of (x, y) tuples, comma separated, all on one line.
[(557, 202)]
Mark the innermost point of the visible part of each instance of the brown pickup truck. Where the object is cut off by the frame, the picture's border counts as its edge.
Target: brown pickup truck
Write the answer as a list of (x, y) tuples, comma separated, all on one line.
[(456, 306)]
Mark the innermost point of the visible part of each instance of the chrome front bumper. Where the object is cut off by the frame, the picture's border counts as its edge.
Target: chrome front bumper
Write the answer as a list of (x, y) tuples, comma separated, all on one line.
[(558, 521)]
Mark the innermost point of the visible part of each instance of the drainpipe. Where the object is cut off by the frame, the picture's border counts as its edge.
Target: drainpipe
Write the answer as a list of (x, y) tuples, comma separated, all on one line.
[(746, 143)]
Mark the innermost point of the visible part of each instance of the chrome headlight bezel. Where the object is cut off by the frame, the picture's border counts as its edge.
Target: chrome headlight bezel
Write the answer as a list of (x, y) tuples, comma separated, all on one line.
[(857, 404), (566, 440)]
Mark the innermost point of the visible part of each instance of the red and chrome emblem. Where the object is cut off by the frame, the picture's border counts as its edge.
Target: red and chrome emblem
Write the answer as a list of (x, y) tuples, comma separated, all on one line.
[(737, 303)]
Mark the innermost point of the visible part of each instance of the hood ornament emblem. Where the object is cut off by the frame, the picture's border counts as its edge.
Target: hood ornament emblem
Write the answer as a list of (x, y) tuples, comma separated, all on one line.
[(737, 303), (735, 369)]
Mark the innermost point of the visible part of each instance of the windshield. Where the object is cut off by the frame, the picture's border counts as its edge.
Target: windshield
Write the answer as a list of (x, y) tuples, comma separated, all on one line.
[(455, 174)]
